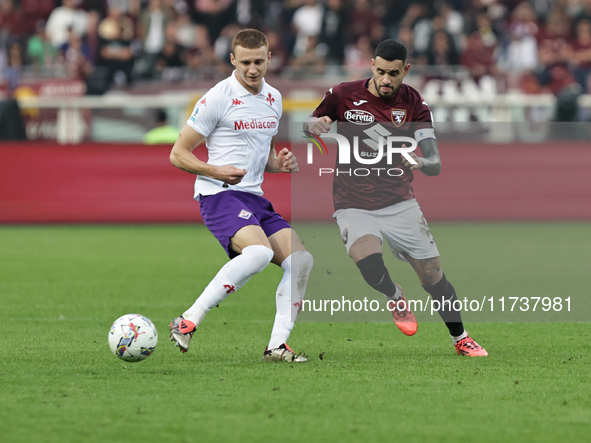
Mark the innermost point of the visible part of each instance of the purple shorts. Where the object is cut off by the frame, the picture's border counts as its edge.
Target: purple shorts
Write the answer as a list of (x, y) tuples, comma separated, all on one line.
[(225, 213)]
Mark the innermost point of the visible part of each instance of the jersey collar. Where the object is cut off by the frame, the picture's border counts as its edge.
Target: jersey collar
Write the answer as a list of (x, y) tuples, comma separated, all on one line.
[(241, 90)]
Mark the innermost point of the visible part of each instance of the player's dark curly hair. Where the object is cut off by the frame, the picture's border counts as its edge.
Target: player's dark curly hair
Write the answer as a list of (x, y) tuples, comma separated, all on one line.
[(391, 50)]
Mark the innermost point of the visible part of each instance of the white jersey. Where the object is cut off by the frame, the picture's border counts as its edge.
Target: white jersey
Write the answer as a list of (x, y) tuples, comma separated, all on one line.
[(238, 127)]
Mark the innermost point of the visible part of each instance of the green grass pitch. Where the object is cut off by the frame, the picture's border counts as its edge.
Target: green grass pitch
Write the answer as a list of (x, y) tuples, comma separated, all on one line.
[(62, 286)]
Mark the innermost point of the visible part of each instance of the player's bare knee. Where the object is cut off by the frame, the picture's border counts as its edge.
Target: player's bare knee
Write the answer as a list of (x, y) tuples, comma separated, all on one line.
[(368, 241), (364, 247), (428, 270), (430, 277)]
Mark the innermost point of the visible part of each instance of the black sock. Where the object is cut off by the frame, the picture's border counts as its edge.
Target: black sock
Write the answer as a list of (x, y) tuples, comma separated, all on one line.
[(376, 275), (445, 294)]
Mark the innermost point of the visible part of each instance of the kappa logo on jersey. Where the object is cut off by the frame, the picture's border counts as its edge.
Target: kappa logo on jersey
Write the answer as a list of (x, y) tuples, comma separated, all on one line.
[(236, 102), (398, 117), (360, 102), (265, 123), (359, 117), (270, 99), (245, 214), (202, 102)]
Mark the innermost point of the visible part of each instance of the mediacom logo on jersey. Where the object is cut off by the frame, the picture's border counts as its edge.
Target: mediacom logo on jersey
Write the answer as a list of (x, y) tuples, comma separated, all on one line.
[(267, 123), (405, 146)]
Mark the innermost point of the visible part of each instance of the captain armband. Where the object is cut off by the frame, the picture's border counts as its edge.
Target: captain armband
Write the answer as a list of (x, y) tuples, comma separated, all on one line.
[(424, 134)]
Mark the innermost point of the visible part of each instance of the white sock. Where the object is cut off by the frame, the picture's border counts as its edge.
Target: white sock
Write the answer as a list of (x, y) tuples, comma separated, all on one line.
[(290, 293), (396, 295), (229, 279), (459, 337)]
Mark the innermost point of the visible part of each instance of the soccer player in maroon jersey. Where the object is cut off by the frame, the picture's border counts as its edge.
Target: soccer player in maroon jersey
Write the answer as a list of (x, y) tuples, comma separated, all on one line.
[(381, 203)]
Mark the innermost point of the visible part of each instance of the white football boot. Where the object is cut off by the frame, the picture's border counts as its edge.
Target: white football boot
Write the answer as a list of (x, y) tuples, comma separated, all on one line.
[(283, 353)]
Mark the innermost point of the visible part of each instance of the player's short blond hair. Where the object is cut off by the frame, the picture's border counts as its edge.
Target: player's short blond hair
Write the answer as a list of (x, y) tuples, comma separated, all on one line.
[(250, 39)]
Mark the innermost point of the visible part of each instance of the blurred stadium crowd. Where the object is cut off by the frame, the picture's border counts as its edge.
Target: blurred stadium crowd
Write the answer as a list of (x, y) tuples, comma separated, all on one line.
[(541, 45)]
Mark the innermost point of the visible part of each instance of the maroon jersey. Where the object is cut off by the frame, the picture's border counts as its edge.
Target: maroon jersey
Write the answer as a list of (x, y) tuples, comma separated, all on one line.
[(361, 114)]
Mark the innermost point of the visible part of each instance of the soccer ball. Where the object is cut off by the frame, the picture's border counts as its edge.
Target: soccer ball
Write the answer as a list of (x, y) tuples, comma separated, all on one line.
[(133, 337)]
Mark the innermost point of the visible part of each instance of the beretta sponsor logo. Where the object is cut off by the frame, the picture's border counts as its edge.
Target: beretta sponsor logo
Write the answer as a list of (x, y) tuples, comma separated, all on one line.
[(263, 123), (359, 117)]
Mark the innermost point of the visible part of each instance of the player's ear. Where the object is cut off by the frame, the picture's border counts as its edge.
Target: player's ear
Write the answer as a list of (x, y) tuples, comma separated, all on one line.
[(406, 69), (232, 59)]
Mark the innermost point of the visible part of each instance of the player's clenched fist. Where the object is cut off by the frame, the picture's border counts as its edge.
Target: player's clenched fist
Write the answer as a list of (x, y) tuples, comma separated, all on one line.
[(416, 158), (286, 161), (319, 125), (230, 174)]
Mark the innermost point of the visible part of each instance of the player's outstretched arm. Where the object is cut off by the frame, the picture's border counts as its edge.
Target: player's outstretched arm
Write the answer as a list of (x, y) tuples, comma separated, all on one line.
[(430, 164), (183, 158), (285, 161), (317, 125)]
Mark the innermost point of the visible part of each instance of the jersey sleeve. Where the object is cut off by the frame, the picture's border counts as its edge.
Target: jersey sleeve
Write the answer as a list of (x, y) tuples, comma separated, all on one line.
[(423, 112), (328, 106), (206, 114)]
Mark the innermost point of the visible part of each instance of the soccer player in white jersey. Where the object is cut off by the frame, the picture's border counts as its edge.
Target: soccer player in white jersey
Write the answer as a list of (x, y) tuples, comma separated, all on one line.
[(238, 119)]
